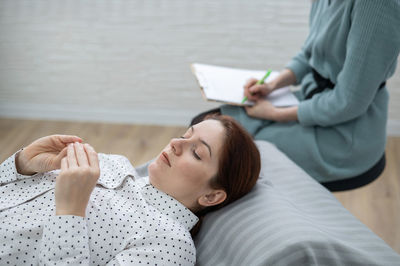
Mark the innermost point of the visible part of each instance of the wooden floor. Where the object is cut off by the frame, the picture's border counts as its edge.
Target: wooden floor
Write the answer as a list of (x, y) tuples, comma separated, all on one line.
[(377, 205)]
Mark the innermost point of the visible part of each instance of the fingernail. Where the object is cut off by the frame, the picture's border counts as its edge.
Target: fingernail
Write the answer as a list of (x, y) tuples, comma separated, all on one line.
[(77, 144), (88, 145)]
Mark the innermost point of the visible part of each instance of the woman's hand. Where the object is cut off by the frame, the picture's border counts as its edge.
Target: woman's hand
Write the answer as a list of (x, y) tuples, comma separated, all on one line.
[(79, 174), (263, 109), (255, 92), (44, 154)]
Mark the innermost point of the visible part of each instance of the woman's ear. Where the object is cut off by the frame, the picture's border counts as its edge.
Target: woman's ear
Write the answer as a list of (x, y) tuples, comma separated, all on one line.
[(214, 197)]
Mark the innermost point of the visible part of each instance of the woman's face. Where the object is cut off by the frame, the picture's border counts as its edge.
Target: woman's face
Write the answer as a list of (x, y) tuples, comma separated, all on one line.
[(186, 165)]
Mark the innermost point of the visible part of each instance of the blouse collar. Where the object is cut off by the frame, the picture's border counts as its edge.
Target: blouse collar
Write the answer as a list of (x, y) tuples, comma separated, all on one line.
[(167, 204)]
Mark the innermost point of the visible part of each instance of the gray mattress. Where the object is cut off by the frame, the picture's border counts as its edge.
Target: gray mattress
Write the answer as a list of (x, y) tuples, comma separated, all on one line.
[(287, 219)]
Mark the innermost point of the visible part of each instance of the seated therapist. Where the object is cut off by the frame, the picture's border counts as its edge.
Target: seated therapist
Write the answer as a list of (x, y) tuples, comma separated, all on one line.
[(338, 130)]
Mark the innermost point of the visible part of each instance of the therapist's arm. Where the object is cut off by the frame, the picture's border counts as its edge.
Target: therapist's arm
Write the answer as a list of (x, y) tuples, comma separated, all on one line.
[(265, 110), (286, 78)]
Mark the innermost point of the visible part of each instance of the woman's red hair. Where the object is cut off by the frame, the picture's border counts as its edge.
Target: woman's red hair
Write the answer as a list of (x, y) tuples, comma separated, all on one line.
[(239, 165)]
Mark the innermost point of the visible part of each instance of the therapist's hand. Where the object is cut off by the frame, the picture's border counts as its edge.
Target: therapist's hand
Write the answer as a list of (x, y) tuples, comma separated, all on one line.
[(79, 174), (255, 92), (43, 154), (263, 109)]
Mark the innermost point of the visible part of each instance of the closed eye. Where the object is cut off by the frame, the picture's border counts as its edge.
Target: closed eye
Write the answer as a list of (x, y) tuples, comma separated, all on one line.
[(196, 156), (194, 152)]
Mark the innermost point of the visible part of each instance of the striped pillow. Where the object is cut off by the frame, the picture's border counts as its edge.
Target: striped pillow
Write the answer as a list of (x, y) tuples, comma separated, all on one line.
[(288, 219)]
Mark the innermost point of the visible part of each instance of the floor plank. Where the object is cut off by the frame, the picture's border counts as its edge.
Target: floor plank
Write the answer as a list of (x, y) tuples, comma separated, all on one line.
[(377, 205), (138, 143)]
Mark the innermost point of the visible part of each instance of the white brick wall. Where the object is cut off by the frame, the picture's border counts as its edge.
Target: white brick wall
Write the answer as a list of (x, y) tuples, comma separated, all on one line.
[(128, 61)]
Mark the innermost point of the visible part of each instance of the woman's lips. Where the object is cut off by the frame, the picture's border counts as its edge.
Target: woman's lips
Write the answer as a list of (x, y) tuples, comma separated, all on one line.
[(164, 157)]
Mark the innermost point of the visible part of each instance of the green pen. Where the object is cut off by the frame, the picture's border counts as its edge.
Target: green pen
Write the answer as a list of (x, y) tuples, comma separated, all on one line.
[(261, 81)]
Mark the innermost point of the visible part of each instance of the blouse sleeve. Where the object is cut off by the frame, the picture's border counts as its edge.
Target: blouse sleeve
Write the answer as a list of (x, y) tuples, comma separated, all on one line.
[(371, 53), (158, 250), (64, 240), (8, 171)]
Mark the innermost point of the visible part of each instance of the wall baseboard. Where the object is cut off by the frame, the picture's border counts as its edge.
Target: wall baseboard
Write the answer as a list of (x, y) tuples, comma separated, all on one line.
[(150, 116), (166, 117)]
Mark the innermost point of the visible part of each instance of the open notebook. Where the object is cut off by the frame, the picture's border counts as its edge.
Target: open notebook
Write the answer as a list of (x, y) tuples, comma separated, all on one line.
[(225, 85)]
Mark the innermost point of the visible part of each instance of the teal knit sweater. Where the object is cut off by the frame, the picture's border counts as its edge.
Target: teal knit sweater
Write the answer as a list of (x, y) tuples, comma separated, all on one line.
[(341, 132), (353, 43)]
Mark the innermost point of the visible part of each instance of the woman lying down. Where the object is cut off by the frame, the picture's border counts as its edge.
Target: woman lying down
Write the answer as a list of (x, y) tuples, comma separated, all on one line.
[(95, 210)]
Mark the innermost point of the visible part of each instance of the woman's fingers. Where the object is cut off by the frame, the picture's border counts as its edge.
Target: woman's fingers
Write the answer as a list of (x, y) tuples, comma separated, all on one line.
[(75, 185), (254, 91), (72, 162), (250, 82), (81, 156), (92, 156), (93, 161), (66, 139), (57, 160), (59, 142), (64, 164), (253, 94)]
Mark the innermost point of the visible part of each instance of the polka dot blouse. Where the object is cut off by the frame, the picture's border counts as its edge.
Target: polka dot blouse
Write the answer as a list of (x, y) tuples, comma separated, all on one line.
[(128, 221)]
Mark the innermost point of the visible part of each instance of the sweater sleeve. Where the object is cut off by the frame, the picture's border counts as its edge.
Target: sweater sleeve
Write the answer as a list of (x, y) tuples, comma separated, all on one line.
[(65, 240), (371, 53), (299, 65)]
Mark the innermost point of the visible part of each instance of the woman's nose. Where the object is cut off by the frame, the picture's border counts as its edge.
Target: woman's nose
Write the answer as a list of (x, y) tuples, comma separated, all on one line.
[(177, 145)]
